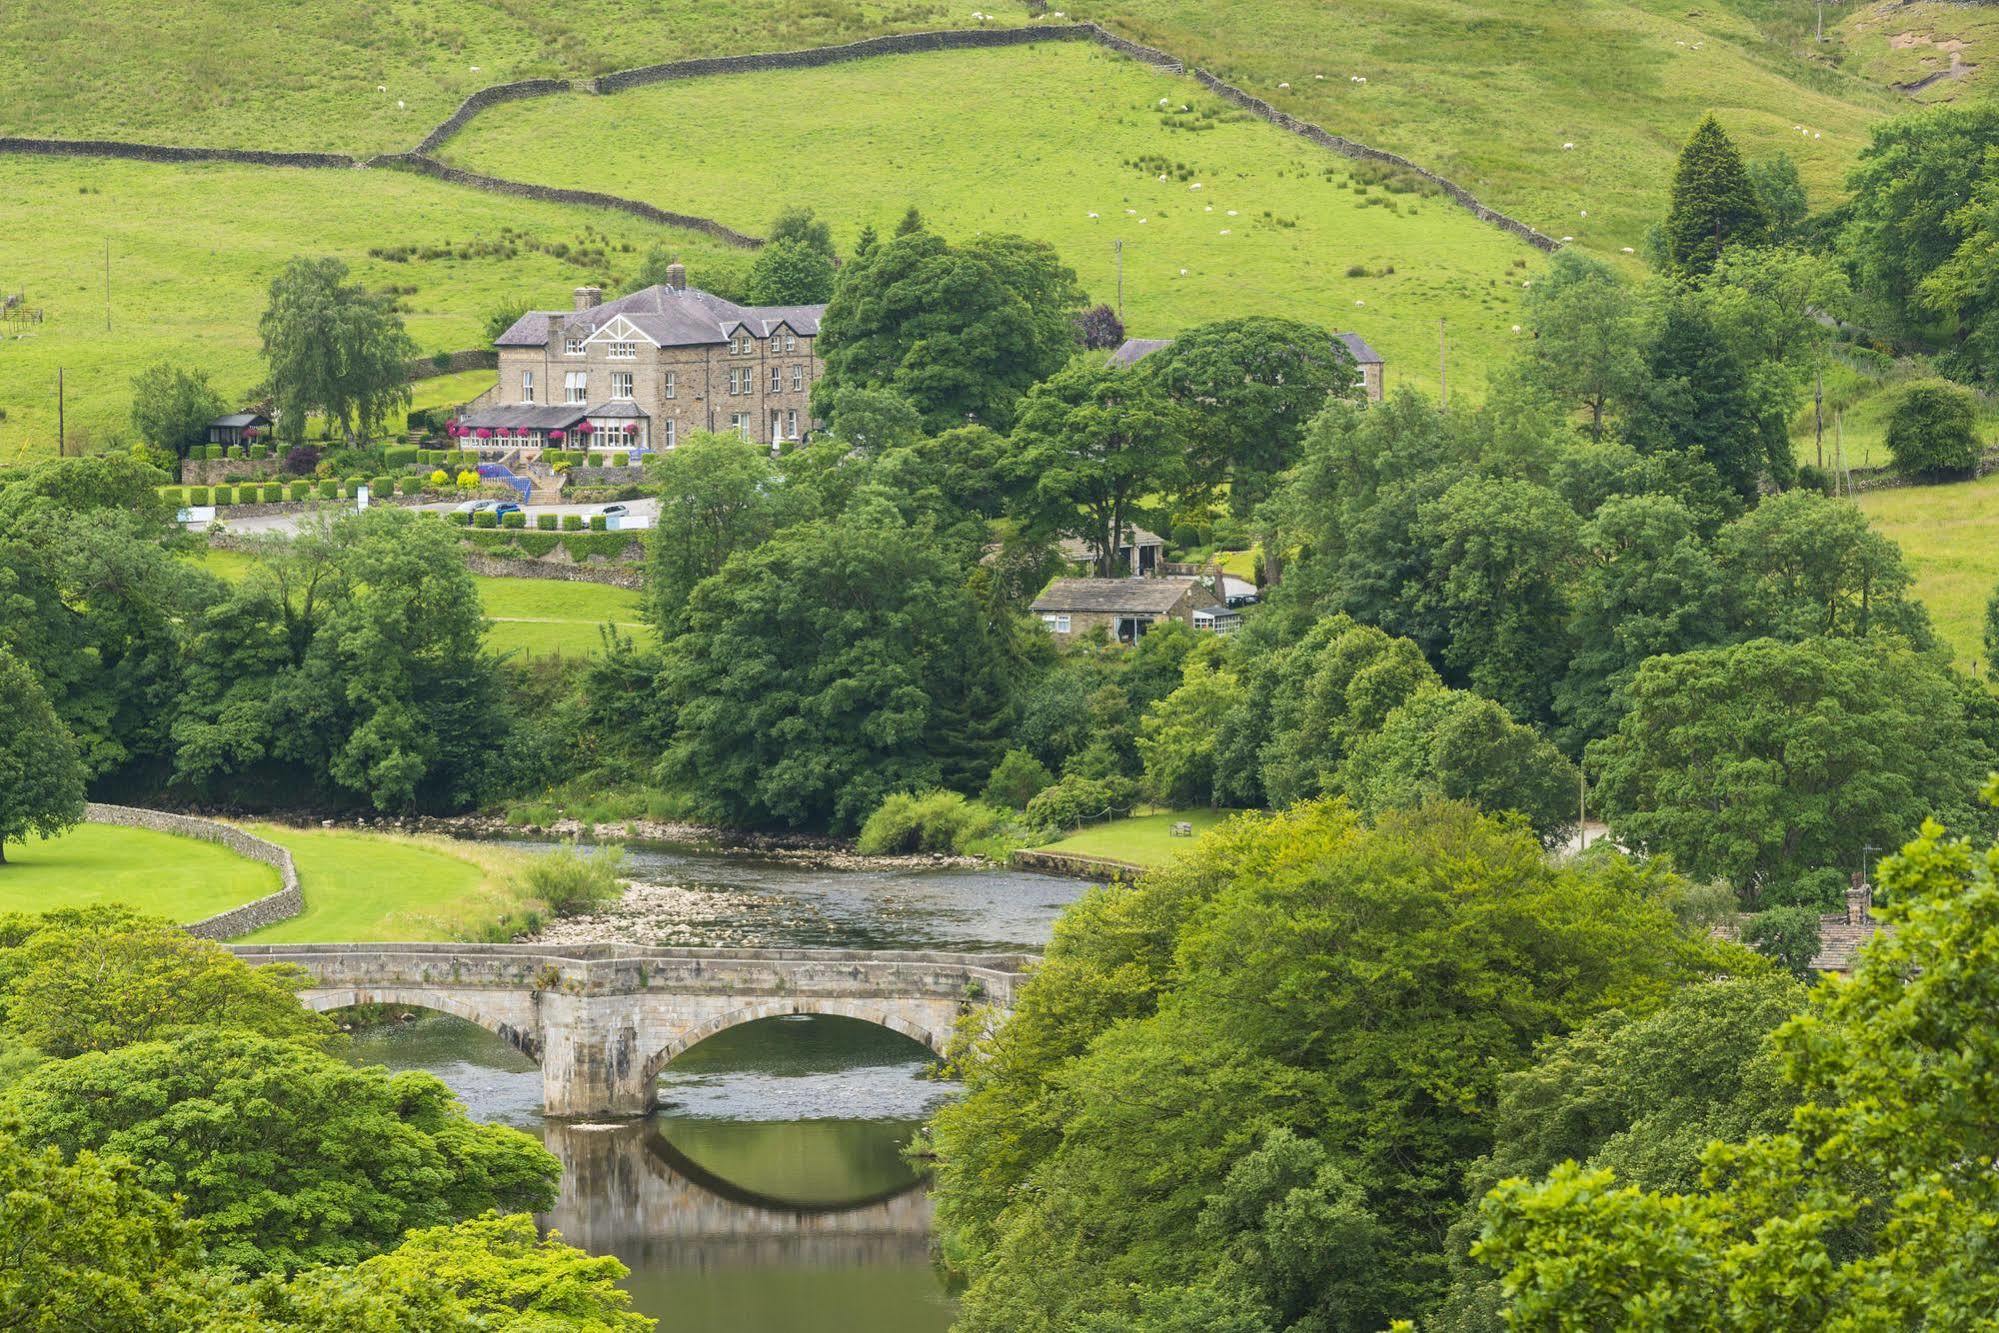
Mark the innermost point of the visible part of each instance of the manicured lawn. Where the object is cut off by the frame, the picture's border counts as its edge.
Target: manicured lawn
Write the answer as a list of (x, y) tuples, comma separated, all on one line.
[(370, 886), (181, 878), (1950, 536), (194, 249), (1145, 840), (450, 390), (1037, 139)]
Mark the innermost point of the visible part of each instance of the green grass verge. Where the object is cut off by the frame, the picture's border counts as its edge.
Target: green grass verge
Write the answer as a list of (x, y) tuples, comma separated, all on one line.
[(1950, 536), (533, 617), (363, 887), (1039, 138), (193, 252), (1890, 42), (183, 879), (357, 76), (451, 390), (1145, 840)]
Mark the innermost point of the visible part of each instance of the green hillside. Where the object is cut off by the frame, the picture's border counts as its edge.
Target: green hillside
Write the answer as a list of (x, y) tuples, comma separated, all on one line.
[(194, 248), (1039, 140)]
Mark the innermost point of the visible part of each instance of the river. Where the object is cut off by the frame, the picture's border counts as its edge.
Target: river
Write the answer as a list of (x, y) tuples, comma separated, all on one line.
[(769, 1194)]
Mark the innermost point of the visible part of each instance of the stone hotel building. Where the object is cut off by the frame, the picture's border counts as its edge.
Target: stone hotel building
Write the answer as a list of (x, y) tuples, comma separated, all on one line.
[(641, 372)]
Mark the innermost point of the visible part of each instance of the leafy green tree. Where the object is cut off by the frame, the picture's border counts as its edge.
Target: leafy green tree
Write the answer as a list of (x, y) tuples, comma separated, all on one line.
[(1801, 565), (874, 421), (95, 980), (1016, 780), (797, 225), (1178, 736), (1092, 442), (718, 494), (1715, 206), (790, 272), (172, 406), (1772, 308), (1758, 762), (504, 316), (333, 347), (826, 668), (1933, 430), (1328, 692), (1862, 1212), (1641, 1095), (1781, 193), (290, 1157), (911, 224), (1251, 386), (1587, 349), (961, 331), (1697, 403), (1787, 935), (1298, 973), (41, 778), (1451, 745)]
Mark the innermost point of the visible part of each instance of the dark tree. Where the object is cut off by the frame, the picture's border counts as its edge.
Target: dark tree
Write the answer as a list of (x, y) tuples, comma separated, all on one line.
[(912, 222), (790, 272), (1696, 401), (798, 226), (1100, 328), (41, 779), (1933, 430), (333, 348), (1714, 202), (172, 406)]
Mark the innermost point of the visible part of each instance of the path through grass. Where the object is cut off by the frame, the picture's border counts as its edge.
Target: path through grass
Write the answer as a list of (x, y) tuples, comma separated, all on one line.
[(183, 879)]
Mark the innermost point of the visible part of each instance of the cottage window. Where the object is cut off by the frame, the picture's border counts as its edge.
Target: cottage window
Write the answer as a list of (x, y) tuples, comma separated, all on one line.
[(797, 378), (739, 422), (790, 342), (574, 347), (527, 386), (672, 388), (1056, 624), (575, 386), (621, 384), (669, 424), (776, 379), (624, 351), (741, 344)]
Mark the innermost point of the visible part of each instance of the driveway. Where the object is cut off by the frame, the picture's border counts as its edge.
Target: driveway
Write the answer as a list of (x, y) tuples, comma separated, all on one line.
[(288, 524)]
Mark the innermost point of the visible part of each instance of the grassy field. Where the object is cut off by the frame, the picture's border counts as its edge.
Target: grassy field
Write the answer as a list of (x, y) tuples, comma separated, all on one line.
[(371, 886), (193, 251), (365, 76), (1950, 536), (536, 617), (1896, 43), (1145, 840), (180, 878), (1489, 93), (1039, 139)]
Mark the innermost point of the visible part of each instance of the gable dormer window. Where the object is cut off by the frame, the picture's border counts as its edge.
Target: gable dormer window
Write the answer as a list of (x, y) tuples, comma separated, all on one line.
[(741, 344), (623, 351)]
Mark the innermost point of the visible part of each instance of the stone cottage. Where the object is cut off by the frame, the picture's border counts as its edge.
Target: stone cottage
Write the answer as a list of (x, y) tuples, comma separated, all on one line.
[(641, 372), (1365, 358), (1126, 608)]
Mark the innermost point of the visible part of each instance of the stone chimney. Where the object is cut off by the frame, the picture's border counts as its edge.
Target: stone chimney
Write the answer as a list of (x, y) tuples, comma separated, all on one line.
[(676, 276), (588, 298), (1859, 900)]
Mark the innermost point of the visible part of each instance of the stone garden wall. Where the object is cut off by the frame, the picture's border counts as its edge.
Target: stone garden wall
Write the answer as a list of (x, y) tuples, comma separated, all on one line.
[(286, 903), (555, 565)]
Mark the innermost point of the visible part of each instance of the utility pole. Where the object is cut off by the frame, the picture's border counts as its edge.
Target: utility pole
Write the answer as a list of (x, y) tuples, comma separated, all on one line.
[(107, 284), (62, 434), (1443, 367), (1118, 246), (1818, 419), (1582, 810)]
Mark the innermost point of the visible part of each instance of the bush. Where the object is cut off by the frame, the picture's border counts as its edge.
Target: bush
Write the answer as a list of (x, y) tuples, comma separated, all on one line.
[(237, 451), (1076, 801), (1812, 477), (569, 880), (462, 520), (273, 491), (517, 519), (546, 522), (1787, 936), (328, 489), (598, 523), (621, 460), (1016, 780), (936, 821), (300, 460), (298, 490), (400, 455), (1933, 430), (198, 495), (485, 518), (259, 452), (572, 522), (381, 485), (437, 480), (468, 480)]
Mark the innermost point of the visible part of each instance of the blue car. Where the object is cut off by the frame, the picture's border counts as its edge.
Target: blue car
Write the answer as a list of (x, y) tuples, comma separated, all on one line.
[(501, 510)]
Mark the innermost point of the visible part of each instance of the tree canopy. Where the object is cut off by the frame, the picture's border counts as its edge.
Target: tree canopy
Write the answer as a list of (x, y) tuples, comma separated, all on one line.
[(1715, 205), (41, 778), (335, 348)]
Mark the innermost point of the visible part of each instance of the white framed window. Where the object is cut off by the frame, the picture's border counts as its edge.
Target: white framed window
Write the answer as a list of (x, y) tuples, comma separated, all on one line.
[(790, 342), (672, 387), (667, 439), (527, 386), (624, 351), (776, 379), (573, 347), (739, 344), (739, 422), (791, 424), (621, 384), (1056, 624), (797, 378), (575, 386)]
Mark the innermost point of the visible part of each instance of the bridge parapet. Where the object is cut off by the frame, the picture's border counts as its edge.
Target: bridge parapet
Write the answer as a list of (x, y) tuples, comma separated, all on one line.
[(603, 1019)]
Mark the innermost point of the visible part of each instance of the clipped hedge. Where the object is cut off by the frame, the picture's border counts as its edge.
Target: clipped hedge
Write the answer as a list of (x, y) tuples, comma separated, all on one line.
[(545, 522), (329, 489), (272, 492), (581, 546), (517, 519), (301, 490), (598, 523), (485, 518), (198, 495), (401, 455), (572, 522)]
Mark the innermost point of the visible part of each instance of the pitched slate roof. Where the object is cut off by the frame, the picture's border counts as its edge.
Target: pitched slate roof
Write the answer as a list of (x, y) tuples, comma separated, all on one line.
[(238, 420), (1114, 595), (1135, 350), (1075, 548), (1362, 353), (670, 316)]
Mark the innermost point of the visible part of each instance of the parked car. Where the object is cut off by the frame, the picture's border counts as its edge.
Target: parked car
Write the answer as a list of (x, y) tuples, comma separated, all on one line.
[(505, 507), (612, 511), (473, 506)]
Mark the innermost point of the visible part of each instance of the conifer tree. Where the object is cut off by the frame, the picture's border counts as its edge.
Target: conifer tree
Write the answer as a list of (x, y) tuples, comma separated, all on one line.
[(41, 777), (1714, 203)]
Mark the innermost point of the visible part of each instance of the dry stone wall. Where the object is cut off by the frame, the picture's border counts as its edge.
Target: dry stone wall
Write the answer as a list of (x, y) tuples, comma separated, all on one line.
[(499, 567), (286, 903)]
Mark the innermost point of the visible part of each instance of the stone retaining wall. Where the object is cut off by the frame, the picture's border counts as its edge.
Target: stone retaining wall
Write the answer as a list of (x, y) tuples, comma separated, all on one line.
[(154, 152), (283, 905), (1099, 868), (528, 567), (485, 97), (217, 471)]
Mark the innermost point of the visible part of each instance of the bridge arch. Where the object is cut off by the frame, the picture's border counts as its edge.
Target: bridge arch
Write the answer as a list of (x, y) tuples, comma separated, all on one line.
[(328, 1000), (822, 1008)]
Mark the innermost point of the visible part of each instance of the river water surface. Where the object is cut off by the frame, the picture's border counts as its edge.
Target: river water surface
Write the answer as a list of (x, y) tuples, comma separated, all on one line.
[(769, 1194)]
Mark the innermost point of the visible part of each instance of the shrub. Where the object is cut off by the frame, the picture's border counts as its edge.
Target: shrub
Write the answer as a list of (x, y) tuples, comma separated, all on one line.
[(1016, 780), (468, 480), (621, 460), (572, 522), (485, 518), (381, 485), (400, 455), (936, 821), (300, 490), (1933, 429), (258, 451), (273, 491), (546, 522), (462, 520), (1075, 801), (569, 880), (438, 480), (328, 489), (237, 451), (198, 495), (517, 519), (598, 523), (1812, 477)]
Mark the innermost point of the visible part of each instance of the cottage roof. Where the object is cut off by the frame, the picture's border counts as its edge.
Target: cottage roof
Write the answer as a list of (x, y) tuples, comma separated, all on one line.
[(1135, 350), (1075, 548), (1362, 354), (239, 420), (1120, 596), (670, 316)]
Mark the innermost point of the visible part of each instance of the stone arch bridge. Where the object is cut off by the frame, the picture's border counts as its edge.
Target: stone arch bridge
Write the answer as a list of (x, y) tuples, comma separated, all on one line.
[(602, 1020)]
